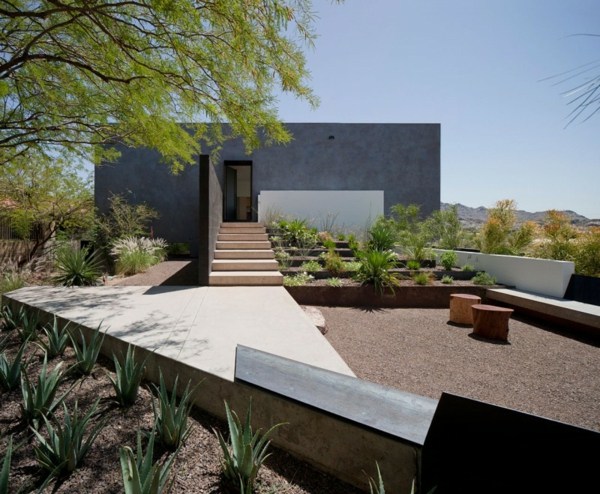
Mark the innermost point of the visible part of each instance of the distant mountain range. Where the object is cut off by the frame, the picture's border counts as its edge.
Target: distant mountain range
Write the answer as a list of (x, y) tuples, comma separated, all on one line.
[(474, 217)]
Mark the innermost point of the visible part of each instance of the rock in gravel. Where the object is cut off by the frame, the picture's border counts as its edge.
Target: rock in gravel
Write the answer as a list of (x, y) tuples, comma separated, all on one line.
[(316, 317)]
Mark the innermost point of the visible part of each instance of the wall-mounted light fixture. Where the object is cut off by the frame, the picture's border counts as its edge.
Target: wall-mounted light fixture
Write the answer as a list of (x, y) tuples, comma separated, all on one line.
[(331, 138)]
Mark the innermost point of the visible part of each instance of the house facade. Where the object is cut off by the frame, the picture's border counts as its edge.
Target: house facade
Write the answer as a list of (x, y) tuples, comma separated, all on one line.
[(385, 163)]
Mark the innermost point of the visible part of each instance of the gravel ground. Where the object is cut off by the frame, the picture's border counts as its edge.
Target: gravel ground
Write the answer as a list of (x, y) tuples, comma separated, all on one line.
[(541, 370)]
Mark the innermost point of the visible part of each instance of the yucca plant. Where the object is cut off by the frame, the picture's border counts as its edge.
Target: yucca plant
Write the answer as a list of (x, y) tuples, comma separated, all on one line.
[(76, 267), (375, 270), (128, 377), (87, 352), (10, 319), (170, 417), (5, 472), (28, 326), (140, 474), (10, 372), (39, 399), (57, 338), (67, 444), (246, 451)]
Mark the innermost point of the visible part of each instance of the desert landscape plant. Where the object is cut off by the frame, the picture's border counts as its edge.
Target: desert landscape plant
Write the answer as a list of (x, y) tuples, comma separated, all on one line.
[(483, 278), (136, 254), (10, 371), (77, 267), (11, 320), (86, 351), (63, 446), (245, 452), (56, 338), (39, 399), (375, 269), (448, 260), (128, 377), (28, 326), (5, 471)]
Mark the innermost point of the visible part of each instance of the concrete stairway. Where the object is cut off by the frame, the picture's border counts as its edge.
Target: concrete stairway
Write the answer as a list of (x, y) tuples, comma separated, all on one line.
[(243, 257)]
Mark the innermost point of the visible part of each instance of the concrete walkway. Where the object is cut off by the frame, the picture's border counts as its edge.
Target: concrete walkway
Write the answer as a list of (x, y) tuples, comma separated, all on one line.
[(198, 326)]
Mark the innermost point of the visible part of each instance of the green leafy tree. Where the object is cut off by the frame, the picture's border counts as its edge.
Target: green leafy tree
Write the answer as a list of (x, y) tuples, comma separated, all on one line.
[(77, 75), (50, 195), (445, 227)]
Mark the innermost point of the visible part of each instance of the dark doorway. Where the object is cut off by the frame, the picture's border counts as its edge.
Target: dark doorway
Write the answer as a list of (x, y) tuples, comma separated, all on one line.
[(238, 191)]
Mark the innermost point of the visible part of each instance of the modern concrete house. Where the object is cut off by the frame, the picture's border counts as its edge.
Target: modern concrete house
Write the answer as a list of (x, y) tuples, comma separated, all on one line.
[(352, 172)]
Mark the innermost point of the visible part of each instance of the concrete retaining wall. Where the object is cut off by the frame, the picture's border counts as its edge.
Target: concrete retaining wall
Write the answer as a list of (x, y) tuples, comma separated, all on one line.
[(542, 276)]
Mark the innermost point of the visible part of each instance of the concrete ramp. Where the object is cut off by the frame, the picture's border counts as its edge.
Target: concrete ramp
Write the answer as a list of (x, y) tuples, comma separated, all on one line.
[(197, 326)]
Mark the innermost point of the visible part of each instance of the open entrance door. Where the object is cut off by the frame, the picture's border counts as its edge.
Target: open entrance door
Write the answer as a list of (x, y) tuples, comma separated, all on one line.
[(238, 191)]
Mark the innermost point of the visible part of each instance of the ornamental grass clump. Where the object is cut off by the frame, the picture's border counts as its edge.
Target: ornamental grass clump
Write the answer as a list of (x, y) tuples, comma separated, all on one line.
[(245, 452), (63, 446), (136, 254)]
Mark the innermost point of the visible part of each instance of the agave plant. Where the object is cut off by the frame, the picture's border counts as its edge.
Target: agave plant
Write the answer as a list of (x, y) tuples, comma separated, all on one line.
[(5, 471), (77, 267), (87, 352), (127, 378), (57, 338), (39, 399), (28, 326), (10, 372), (10, 320), (67, 443), (376, 486), (246, 451), (170, 418), (140, 474)]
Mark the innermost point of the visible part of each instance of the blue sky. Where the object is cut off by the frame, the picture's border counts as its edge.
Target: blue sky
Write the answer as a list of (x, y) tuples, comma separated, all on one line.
[(477, 68)]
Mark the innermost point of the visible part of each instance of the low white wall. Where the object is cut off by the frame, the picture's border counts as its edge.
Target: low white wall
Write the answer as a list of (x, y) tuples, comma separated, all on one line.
[(542, 276), (352, 209)]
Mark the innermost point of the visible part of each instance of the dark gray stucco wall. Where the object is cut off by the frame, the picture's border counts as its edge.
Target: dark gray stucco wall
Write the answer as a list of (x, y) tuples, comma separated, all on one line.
[(403, 160), (211, 216), (140, 177)]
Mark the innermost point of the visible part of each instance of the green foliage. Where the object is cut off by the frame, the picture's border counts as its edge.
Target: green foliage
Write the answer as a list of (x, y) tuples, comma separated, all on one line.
[(558, 238), (422, 278), (245, 452), (587, 253), (77, 267), (282, 258), (468, 267), (299, 279), (329, 244), (376, 486), (57, 338), (296, 233), (406, 218), (171, 417), (413, 264), (39, 399), (334, 282), (5, 471), (141, 475), (483, 278), (10, 320), (352, 266), (86, 352), (11, 281), (445, 228), (375, 270), (381, 236), (311, 266), (353, 243), (179, 249), (333, 263), (130, 73), (50, 194), (10, 372), (500, 235), (136, 254), (27, 329), (448, 260), (67, 444), (128, 378), (447, 280)]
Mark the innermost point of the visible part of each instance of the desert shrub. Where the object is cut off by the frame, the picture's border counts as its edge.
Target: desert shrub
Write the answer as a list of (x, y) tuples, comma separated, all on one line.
[(10, 281), (353, 243), (311, 266), (447, 280), (381, 236), (422, 278), (299, 279), (352, 266), (282, 258), (446, 229), (333, 263), (483, 278), (413, 264), (468, 267), (558, 238), (448, 260), (375, 269), (587, 253), (77, 267), (178, 249), (334, 282)]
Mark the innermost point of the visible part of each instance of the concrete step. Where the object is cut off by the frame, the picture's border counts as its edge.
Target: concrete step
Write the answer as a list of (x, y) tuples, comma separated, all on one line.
[(235, 230), (245, 278), (244, 254), (253, 245), (232, 237), (241, 224), (245, 265)]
